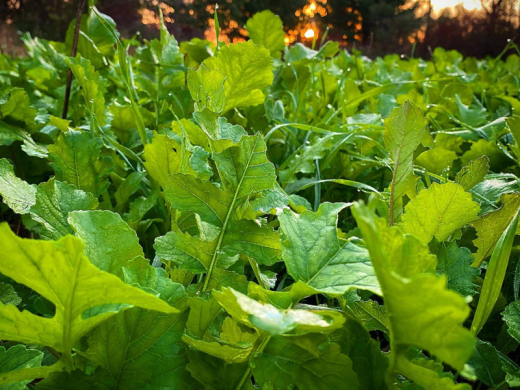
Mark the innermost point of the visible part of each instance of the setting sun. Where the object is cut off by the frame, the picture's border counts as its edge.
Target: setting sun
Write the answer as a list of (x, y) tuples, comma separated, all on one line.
[(470, 5), (309, 33)]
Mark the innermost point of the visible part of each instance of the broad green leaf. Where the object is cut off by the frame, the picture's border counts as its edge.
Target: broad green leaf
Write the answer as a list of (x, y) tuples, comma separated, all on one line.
[(129, 344), (92, 87), (221, 134), (368, 362), (16, 358), (94, 41), (60, 272), (438, 212), (232, 354), (15, 107), (512, 319), (109, 242), (425, 376), (76, 159), (207, 88), (244, 169), (16, 193), (473, 173), (54, 201), (371, 314), (491, 226), (495, 273), (122, 121), (405, 129), (285, 299), (235, 342), (248, 70), (268, 318), (314, 255), (162, 158), (487, 364), (139, 208), (266, 29), (474, 115), (202, 314), (215, 374), (8, 295), (421, 310), (11, 133), (284, 364), (455, 263), (127, 188), (437, 159)]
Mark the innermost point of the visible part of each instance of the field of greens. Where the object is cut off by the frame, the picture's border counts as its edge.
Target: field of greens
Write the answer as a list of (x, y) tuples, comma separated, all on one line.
[(256, 216)]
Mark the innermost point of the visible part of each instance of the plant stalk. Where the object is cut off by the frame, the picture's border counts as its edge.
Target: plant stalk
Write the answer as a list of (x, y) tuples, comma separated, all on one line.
[(81, 5)]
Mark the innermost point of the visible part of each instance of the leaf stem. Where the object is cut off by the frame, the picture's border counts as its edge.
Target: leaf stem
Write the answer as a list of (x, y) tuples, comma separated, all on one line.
[(81, 5), (247, 374)]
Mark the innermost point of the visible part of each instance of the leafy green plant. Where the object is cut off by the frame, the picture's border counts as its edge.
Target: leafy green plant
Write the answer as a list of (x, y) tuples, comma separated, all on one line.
[(257, 216)]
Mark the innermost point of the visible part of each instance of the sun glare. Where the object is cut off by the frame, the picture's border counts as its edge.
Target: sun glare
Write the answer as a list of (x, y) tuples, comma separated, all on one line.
[(309, 33), (470, 5)]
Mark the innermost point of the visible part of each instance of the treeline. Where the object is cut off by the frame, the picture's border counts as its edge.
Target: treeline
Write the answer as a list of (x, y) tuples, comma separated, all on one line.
[(376, 27)]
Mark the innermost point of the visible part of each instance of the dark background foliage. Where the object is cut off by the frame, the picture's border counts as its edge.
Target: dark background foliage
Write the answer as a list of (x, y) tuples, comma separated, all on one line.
[(374, 26)]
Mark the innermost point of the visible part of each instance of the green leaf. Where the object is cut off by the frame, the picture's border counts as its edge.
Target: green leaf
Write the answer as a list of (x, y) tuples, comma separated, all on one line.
[(512, 319), (16, 193), (304, 159), (76, 159), (109, 242), (15, 107), (487, 364), (235, 342), (215, 374), (244, 169), (313, 253), (266, 29), (455, 263), (371, 314), (475, 115), (54, 201), (284, 364), (268, 318), (94, 40), (368, 362), (142, 348), (219, 132), (59, 272), (139, 208), (207, 88), (127, 188), (438, 212), (437, 159), (491, 226), (422, 312), (473, 173), (248, 70), (92, 86), (495, 274), (405, 129), (8, 295), (18, 358), (163, 158)]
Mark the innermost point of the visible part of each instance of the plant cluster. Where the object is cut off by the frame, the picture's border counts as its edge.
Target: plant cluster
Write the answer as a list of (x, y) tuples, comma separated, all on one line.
[(256, 216)]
